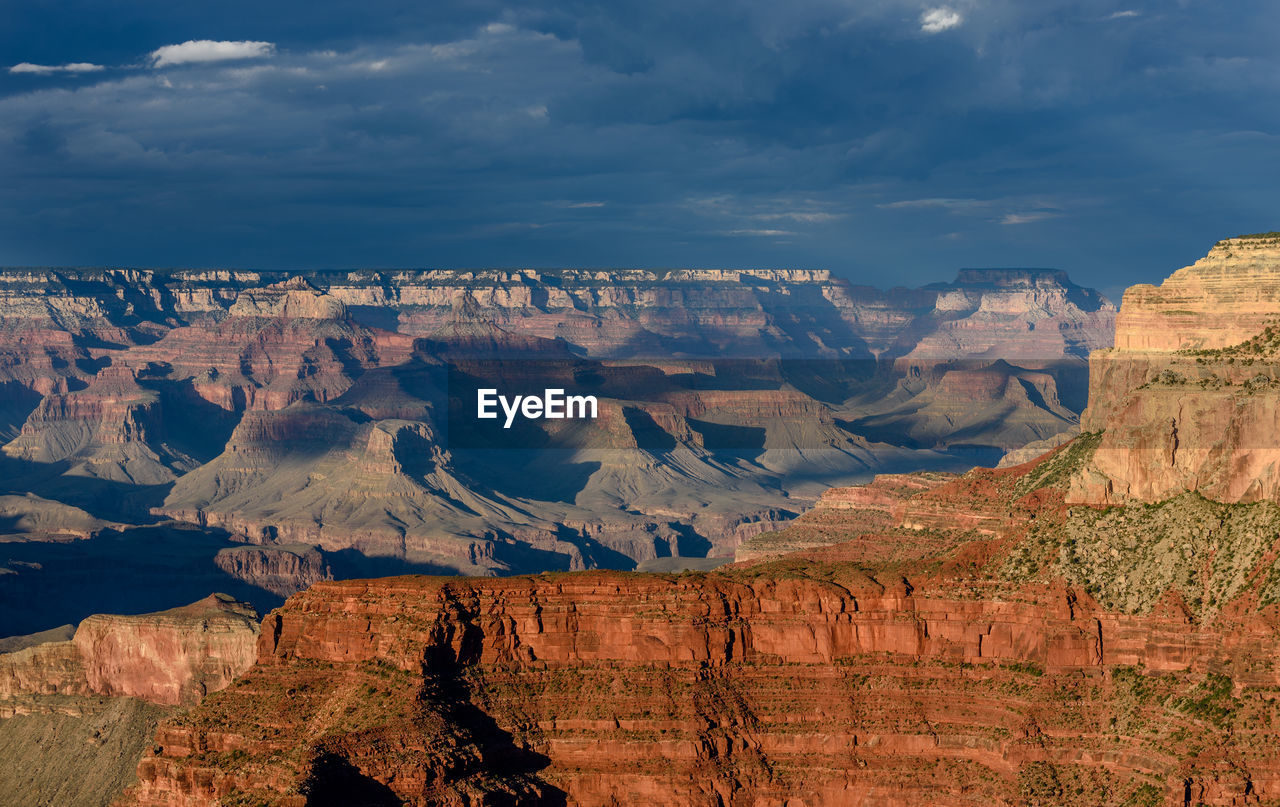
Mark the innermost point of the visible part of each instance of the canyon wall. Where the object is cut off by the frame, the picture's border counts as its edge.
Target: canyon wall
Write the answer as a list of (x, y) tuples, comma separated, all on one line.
[(739, 688), (1189, 397), (169, 658), (608, 313), (927, 639), (321, 409)]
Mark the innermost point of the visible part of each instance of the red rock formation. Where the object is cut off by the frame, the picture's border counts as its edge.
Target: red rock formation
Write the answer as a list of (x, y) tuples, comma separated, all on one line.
[(699, 689), (1189, 397), (282, 570), (259, 362), (171, 657)]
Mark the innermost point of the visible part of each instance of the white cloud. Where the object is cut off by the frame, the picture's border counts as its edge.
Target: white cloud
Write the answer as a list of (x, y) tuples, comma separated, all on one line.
[(1005, 210), (198, 51), (1027, 218), (1120, 15), (945, 203), (751, 231), (776, 209), (50, 69), (806, 217), (937, 20)]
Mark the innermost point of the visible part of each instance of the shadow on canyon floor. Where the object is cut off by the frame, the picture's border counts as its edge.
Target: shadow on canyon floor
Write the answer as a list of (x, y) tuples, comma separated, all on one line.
[(132, 571)]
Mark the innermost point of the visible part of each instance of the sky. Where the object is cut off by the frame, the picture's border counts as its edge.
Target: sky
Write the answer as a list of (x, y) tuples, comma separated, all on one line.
[(891, 142)]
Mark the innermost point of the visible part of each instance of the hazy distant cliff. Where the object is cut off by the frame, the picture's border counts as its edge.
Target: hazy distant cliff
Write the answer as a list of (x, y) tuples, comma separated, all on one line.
[(607, 312), (316, 415)]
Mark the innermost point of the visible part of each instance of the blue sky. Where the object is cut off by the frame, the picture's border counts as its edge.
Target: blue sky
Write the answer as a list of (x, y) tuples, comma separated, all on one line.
[(889, 141)]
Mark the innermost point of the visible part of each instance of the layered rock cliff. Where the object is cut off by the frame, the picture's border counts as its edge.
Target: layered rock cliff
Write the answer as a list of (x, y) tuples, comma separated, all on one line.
[(1188, 398), (170, 658), (76, 713), (963, 669), (320, 411)]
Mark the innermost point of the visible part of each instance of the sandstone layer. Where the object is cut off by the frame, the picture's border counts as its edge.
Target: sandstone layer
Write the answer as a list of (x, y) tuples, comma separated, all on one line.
[(1188, 398), (77, 713), (959, 641), (170, 658)]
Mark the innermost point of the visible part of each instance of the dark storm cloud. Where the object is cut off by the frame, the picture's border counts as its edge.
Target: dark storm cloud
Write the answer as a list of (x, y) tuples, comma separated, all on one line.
[(890, 141)]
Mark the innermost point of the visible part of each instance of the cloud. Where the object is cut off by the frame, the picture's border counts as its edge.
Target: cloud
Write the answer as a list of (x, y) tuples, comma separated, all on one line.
[(870, 140), (198, 51), (937, 20), (1005, 210), (1120, 15), (1027, 218), (50, 69), (765, 209), (944, 203)]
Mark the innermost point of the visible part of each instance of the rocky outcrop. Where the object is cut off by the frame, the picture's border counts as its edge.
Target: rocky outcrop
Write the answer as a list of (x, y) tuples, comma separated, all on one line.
[(294, 298), (1187, 400), (113, 429), (282, 570), (1223, 299), (702, 689), (171, 657)]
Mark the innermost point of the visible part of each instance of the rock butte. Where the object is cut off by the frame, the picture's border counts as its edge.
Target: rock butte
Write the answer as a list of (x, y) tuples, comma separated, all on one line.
[(1189, 398)]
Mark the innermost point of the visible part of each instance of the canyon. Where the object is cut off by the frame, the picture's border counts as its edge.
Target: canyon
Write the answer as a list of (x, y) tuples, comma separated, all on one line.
[(1097, 625), (264, 431), (76, 713), (928, 662)]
